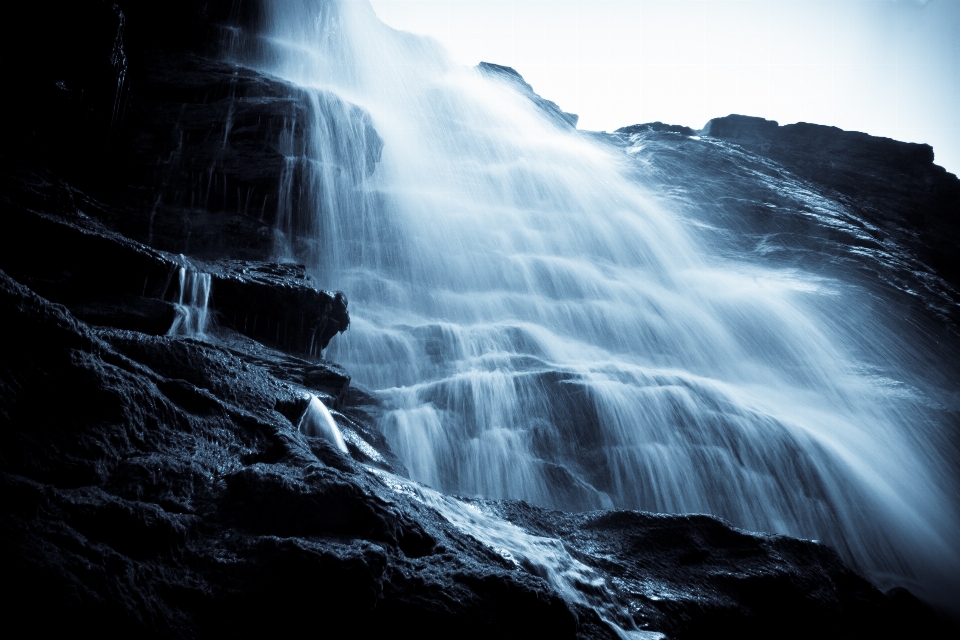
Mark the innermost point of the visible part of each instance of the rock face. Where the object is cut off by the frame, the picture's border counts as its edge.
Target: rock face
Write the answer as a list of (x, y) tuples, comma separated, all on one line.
[(166, 491), (160, 485), (875, 210), (189, 153), (108, 279), (894, 184)]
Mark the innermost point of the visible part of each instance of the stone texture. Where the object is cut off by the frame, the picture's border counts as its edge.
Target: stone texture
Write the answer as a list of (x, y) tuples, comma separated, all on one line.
[(188, 151), (162, 493), (871, 210), (56, 247), (894, 185)]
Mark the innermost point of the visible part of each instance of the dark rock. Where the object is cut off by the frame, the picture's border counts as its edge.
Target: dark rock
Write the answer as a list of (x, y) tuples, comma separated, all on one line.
[(895, 185), (66, 255), (203, 147), (191, 153), (108, 279), (219, 155), (136, 313), (170, 532), (510, 76), (292, 582), (791, 196), (276, 303), (697, 577)]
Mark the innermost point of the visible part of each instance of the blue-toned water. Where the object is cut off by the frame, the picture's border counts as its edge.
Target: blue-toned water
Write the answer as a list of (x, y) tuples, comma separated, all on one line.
[(192, 307), (538, 327)]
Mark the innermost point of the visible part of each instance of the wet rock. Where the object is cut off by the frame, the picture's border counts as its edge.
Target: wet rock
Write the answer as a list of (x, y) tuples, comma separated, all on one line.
[(293, 581), (697, 577), (164, 490), (136, 313), (192, 153), (277, 303), (110, 280), (895, 185), (61, 251), (658, 127), (204, 147), (793, 197), (214, 157)]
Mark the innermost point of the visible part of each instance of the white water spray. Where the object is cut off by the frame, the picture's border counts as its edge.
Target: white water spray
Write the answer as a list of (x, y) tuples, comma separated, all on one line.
[(538, 328)]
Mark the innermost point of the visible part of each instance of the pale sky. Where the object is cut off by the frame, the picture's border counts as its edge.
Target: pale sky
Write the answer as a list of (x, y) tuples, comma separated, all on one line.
[(886, 67)]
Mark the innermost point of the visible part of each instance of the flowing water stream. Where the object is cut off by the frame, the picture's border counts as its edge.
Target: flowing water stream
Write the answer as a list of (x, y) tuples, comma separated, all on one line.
[(193, 302), (537, 327)]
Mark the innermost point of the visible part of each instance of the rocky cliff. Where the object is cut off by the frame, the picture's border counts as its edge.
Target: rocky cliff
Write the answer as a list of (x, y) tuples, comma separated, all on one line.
[(816, 197), (175, 484)]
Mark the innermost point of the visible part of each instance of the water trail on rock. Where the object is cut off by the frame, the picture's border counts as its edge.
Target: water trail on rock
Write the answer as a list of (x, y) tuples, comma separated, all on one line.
[(545, 557), (537, 327), (317, 421), (192, 306)]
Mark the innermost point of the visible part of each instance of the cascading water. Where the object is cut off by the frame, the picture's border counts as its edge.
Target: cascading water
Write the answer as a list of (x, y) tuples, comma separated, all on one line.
[(538, 328), (192, 306)]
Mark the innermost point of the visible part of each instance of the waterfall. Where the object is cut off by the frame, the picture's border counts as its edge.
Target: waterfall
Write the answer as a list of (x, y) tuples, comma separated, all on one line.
[(192, 306), (538, 327)]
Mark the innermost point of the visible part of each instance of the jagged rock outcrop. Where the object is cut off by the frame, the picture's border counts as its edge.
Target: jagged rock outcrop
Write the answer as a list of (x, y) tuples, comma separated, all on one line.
[(186, 150), (63, 252), (655, 127), (165, 492), (695, 576)]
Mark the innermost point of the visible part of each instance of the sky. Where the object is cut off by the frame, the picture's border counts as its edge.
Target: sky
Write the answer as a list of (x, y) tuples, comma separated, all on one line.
[(887, 67)]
